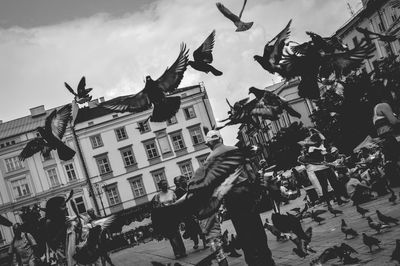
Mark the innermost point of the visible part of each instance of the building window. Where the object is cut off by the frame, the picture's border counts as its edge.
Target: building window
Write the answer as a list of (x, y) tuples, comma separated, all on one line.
[(80, 204), (13, 164), (186, 169), (121, 133), (20, 187), (2, 240), (189, 112), (380, 26), (144, 126), (113, 195), (137, 187), (196, 135), (96, 141), (177, 141), (103, 164), (70, 170), (163, 141), (128, 157), (48, 157), (172, 121), (151, 150), (157, 176), (53, 177)]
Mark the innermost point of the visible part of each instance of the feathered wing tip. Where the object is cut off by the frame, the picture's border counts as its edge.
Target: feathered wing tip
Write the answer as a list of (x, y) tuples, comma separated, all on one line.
[(65, 153), (4, 221), (71, 193), (164, 111), (292, 112), (205, 130)]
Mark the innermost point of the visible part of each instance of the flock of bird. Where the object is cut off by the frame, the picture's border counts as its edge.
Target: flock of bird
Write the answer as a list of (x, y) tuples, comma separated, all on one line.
[(311, 61), (288, 226)]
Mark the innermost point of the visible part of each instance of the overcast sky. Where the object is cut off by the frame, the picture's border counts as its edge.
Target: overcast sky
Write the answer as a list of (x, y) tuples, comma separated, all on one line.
[(116, 43)]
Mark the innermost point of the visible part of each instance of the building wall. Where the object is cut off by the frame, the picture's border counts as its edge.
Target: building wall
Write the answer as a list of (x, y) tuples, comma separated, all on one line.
[(121, 176)]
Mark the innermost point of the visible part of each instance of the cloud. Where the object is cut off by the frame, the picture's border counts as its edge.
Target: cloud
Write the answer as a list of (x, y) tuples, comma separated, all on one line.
[(116, 53)]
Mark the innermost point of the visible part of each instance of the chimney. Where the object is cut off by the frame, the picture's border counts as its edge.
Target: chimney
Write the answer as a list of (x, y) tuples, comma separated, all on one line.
[(93, 103), (101, 99), (37, 111)]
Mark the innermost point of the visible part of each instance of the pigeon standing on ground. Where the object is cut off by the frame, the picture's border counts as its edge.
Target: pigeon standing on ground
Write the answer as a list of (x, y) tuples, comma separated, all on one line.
[(51, 136), (348, 230), (334, 212), (361, 210), (316, 218), (376, 225), (273, 53), (370, 241), (81, 94), (386, 219), (240, 25), (396, 251), (156, 92), (203, 56)]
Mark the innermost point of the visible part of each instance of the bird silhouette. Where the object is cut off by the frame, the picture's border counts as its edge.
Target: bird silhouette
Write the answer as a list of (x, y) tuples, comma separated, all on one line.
[(347, 248), (155, 92), (361, 210), (315, 62), (392, 197), (373, 35), (347, 259), (334, 212), (386, 219), (377, 226), (4, 221), (240, 25), (273, 53), (315, 216), (396, 251), (370, 241), (348, 230), (51, 136), (273, 229), (270, 105), (81, 94), (203, 56), (240, 113)]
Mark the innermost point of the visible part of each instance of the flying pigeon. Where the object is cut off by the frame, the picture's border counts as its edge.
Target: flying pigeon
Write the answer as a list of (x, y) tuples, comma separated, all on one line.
[(51, 136), (361, 210), (155, 92), (348, 230), (315, 62), (203, 56), (81, 94), (273, 53), (370, 241), (240, 113), (4, 221), (240, 25), (386, 219), (373, 35), (274, 104)]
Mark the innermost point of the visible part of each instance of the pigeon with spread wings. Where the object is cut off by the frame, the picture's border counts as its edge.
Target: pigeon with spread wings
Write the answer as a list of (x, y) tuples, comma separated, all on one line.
[(205, 191), (240, 25), (270, 99), (373, 35), (273, 53), (203, 56), (81, 94), (240, 113), (51, 136), (155, 92)]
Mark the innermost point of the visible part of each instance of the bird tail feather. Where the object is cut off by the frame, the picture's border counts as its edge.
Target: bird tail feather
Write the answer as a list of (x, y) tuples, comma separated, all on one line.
[(65, 153), (292, 112), (215, 71), (165, 110)]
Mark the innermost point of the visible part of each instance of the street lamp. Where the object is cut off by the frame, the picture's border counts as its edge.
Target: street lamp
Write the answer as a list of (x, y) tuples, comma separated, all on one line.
[(100, 188)]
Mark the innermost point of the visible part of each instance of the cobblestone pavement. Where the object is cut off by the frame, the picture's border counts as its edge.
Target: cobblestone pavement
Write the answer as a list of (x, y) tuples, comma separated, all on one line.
[(325, 235)]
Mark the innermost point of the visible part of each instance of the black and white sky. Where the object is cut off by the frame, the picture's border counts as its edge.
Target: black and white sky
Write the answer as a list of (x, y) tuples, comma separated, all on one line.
[(116, 43)]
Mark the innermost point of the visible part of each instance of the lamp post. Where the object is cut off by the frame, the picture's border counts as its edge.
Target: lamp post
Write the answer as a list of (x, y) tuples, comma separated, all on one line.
[(99, 186)]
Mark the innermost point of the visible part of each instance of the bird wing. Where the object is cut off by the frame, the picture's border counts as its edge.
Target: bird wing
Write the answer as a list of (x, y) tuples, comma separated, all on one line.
[(81, 87), (70, 89), (216, 170), (105, 223), (319, 212), (58, 120), (204, 52), (282, 36), (31, 148), (344, 62), (129, 103), (227, 13), (301, 49), (173, 75), (4, 221)]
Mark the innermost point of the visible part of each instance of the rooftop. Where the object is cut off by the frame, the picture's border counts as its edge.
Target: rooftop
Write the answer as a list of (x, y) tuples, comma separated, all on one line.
[(28, 123)]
